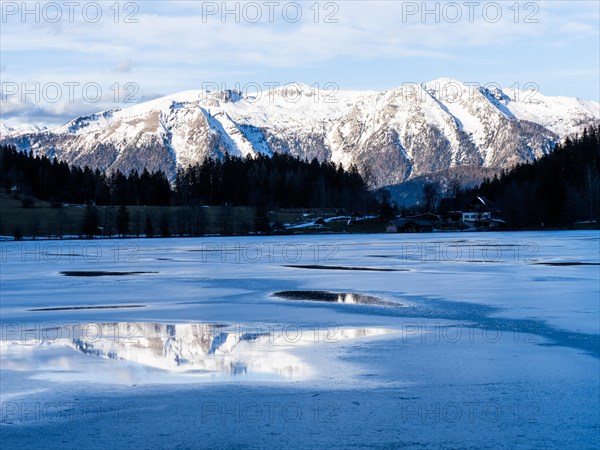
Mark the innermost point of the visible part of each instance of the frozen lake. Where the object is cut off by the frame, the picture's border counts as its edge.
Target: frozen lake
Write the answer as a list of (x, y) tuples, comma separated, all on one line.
[(443, 340)]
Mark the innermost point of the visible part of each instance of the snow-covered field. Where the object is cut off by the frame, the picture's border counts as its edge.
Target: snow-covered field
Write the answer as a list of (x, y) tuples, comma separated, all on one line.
[(450, 340)]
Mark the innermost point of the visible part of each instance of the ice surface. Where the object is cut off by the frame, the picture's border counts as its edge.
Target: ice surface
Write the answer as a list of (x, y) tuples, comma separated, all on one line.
[(490, 347)]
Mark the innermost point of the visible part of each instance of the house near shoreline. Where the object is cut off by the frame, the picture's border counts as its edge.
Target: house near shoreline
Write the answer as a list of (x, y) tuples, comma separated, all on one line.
[(477, 213), (405, 225)]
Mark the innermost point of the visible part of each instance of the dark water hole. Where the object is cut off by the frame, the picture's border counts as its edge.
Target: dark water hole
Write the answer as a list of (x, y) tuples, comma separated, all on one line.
[(367, 269), (69, 308), (98, 273), (334, 297), (567, 263)]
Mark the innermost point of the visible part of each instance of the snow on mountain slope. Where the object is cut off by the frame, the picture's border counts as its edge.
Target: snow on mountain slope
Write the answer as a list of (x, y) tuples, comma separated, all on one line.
[(560, 115), (391, 136), (6, 131)]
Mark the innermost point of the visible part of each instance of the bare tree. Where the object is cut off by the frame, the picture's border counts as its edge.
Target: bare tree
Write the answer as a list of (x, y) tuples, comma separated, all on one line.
[(431, 195), (454, 186)]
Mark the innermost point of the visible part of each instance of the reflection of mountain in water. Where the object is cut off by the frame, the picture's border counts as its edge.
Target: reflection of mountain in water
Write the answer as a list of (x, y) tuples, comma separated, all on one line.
[(259, 351), (185, 347)]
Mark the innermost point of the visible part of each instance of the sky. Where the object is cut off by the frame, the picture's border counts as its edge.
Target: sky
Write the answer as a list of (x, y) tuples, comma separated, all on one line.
[(60, 60)]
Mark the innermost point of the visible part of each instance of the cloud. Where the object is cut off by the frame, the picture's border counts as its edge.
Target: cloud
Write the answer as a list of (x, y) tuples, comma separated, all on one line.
[(123, 66), (360, 33), (174, 47), (18, 109), (579, 29)]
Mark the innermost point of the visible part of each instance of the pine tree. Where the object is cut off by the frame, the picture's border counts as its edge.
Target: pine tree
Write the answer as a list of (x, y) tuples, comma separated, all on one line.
[(122, 220), (149, 227), (261, 220), (165, 228), (90, 221)]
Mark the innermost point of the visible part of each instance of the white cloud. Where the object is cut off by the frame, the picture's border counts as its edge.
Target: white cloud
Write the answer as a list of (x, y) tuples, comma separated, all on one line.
[(123, 66), (174, 48)]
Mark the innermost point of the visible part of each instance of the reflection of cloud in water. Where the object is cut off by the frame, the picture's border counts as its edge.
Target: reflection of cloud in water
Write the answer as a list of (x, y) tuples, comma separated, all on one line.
[(194, 351)]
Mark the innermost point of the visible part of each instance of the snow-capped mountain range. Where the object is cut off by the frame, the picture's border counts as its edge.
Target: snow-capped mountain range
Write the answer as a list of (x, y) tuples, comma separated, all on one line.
[(390, 136)]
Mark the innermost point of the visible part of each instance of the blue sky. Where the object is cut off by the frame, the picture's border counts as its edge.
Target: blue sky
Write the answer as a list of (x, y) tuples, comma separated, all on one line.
[(169, 46)]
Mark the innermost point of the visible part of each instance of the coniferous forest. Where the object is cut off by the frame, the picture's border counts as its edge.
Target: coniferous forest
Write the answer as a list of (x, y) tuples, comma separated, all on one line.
[(58, 182), (280, 181), (558, 189)]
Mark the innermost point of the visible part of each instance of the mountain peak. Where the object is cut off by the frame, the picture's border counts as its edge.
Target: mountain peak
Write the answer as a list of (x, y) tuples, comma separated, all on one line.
[(389, 135), (225, 96)]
